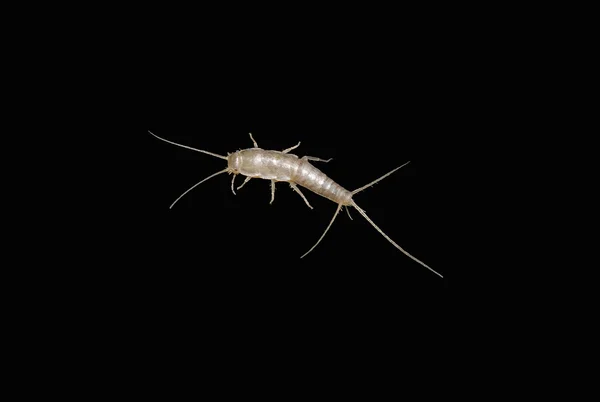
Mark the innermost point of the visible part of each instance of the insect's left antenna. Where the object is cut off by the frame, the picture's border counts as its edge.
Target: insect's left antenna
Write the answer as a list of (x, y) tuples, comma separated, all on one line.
[(185, 146)]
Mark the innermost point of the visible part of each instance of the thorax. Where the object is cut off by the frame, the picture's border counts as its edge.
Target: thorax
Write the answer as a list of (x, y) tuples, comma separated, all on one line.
[(269, 165)]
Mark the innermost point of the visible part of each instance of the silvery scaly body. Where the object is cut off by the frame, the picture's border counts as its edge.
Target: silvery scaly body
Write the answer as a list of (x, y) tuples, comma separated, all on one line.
[(281, 166)]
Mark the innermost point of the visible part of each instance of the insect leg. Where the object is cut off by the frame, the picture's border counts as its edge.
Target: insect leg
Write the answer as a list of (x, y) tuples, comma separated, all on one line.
[(285, 151), (245, 181), (254, 142), (323, 235), (313, 158), (232, 180), (272, 191), (295, 187)]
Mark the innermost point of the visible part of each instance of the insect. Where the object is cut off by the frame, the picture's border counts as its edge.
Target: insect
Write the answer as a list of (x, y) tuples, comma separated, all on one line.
[(281, 166)]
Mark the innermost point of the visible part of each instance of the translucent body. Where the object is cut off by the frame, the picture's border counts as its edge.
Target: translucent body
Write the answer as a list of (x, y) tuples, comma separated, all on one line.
[(278, 166), (282, 166)]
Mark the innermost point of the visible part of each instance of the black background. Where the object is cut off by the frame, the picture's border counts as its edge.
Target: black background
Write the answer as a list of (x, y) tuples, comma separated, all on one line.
[(369, 107), (372, 95), (216, 239)]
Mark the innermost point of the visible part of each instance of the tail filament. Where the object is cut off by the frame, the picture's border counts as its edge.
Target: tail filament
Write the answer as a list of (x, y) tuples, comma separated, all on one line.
[(391, 241), (323, 235), (358, 190)]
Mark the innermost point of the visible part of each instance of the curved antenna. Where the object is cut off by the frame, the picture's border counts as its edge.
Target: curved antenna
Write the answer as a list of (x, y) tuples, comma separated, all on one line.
[(390, 240), (194, 186), (358, 190), (185, 146), (323, 235)]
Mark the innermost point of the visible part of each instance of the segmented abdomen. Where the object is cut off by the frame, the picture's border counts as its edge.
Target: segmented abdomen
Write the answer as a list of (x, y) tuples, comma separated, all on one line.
[(275, 165), (318, 182)]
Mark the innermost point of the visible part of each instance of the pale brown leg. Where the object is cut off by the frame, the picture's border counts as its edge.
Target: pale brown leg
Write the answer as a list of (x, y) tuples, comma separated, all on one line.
[(295, 187), (232, 180), (272, 191), (285, 151), (314, 158), (254, 142), (245, 181)]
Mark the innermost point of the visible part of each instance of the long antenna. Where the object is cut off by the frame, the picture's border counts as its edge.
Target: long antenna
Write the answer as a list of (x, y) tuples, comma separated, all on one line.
[(390, 240), (185, 146), (194, 186)]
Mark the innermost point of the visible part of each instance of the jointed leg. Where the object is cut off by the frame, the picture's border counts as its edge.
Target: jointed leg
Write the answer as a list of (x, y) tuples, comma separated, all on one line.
[(272, 191), (245, 181), (313, 158), (295, 187), (254, 142), (232, 180), (285, 151)]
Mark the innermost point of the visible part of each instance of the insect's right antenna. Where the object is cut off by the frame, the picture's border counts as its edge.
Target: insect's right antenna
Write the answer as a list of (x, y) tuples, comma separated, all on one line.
[(185, 146), (194, 186), (360, 211)]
